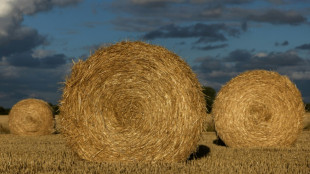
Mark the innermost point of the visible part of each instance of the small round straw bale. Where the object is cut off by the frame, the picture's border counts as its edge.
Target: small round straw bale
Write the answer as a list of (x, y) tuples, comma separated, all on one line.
[(258, 108), (132, 102), (31, 117)]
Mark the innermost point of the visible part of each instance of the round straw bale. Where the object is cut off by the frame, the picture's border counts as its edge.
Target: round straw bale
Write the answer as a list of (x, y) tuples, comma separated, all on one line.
[(132, 102), (31, 117), (258, 108)]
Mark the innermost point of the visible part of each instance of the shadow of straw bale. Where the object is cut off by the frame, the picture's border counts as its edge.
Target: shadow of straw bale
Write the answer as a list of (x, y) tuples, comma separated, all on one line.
[(219, 142), (202, 151)]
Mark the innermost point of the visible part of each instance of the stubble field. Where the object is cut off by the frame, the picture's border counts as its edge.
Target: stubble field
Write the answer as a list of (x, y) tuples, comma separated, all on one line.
[(49, 154)]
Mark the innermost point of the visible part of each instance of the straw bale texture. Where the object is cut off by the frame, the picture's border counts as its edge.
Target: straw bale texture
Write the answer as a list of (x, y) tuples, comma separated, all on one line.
[(132, 102), (31, 117), (258, 108)]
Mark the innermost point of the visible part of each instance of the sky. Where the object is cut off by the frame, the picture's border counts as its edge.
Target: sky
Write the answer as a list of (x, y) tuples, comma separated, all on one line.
[(219, 39)]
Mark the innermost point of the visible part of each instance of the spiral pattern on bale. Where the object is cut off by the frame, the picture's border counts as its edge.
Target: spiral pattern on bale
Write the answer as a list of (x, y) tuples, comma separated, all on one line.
[(132, 102), (31, 117), (258, 108)]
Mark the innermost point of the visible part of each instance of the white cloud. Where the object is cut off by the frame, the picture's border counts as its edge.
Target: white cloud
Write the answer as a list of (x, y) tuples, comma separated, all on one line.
[(5, 8), (13, 11)]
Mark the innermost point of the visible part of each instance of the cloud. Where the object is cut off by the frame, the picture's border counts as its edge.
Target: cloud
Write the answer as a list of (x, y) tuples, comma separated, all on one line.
[(276, 1), (154, 1), (24, 82), (20, 39), (217, 71), (27, 59), (301, 75), (271, 61), (304, 47), (204, 32), (25, 70), (16, 38), (146, 16), (210, 47), (284, 43), (275, 16), (239, 56)]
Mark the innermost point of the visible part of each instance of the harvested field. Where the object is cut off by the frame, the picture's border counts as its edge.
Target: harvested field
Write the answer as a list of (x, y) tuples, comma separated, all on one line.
[(49, 154)]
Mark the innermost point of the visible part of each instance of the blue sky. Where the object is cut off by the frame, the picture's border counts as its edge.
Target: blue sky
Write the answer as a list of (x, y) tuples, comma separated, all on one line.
[(218, 38)]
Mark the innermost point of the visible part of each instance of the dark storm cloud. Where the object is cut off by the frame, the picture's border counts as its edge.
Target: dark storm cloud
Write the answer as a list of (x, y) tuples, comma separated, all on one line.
[(238, 56), (20, 40), (277, 1), (26, 82), (210, 47), (53, 61), (205, 33), (244, 25), (284, 43), (150, 15), (275, 16), (16, 38), (243, 60), (63, 3), (30, 7), (304, 47), (217, 71), (146, 16), (24, 72), (26, 59), (272, 61)]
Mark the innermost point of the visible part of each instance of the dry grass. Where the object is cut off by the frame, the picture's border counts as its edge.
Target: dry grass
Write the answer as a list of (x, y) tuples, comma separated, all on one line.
[(131, 102), (258, 108), (49, 154)]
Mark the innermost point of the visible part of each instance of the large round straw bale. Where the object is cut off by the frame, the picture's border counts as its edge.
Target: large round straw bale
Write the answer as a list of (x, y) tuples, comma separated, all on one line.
[(132, 102), (258, 108), (31, 117)]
